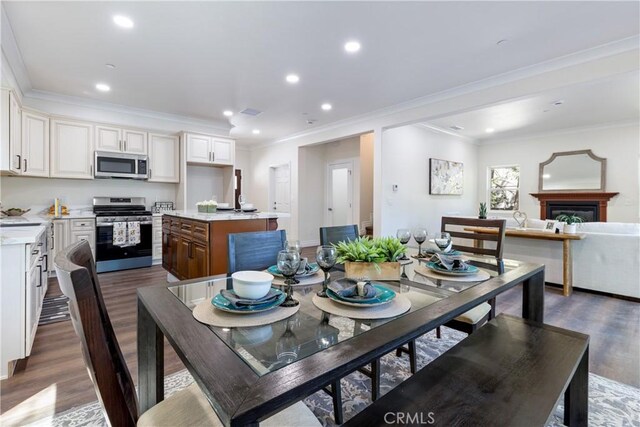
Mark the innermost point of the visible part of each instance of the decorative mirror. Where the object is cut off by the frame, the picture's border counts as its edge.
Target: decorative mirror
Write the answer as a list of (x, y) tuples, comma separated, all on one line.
[(573, 171)]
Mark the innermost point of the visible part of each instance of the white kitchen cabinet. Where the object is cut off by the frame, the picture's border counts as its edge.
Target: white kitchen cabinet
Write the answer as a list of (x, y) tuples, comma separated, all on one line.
[(109, 138), (71, 149), (82, 229), (11, 131), (209, 150), (35, 144), (164, 158), (59, 238)]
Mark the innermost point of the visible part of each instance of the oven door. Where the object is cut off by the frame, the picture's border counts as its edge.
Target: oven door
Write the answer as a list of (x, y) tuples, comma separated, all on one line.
[(110, 257), (116, 165)]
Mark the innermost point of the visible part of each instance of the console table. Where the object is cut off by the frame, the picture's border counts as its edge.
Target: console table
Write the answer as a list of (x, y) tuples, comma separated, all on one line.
[(567, 259)]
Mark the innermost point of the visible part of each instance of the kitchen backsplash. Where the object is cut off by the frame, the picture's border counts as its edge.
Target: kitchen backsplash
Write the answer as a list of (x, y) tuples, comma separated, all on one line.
[(25, 193)]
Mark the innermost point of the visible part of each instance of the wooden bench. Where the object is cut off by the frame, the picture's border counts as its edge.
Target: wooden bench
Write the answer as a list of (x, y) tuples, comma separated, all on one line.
[(511, 372)]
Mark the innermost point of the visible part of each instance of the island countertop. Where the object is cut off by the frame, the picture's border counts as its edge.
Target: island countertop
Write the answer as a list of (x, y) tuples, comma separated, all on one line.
[(226, 215)]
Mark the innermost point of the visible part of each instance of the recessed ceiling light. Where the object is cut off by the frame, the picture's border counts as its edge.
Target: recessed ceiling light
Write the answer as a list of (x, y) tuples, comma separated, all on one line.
[(103, 87), (546, 176), (352, 46), (490, 130), (326, 106), (228, 113), (123, 21), (256, 131), (110, 66), (292, 78)]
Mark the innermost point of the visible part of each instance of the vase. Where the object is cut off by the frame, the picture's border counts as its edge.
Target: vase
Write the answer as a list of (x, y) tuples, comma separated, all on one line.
[(372, 270), (211, 209), (202, 209), (570, 228)]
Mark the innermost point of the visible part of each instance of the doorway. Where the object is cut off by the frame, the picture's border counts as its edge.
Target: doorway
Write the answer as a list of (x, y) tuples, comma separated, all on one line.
[(280, 193), (238, 189), (340, 193)]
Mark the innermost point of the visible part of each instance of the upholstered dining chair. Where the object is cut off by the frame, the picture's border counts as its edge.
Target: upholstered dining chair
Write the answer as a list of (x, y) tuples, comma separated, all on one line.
[(337, 234), (256, 250), (75, 269)]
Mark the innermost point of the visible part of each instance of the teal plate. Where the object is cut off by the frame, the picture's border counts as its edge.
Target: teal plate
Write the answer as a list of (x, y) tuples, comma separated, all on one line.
[(468, 272), (312, 268), (223, 304), (384, 296)]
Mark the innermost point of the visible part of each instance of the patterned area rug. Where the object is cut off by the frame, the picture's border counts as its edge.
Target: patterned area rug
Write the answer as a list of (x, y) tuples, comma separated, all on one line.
[(54, 309), (610, 403)]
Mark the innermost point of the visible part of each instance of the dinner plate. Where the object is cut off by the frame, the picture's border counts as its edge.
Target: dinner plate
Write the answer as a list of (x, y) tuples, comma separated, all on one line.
[(384, 296), (223, 304), (312, 268), (441, 270), (225, 209)]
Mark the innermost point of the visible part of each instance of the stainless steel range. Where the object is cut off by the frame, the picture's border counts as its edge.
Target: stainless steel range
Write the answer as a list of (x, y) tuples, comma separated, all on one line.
[(124, 233)]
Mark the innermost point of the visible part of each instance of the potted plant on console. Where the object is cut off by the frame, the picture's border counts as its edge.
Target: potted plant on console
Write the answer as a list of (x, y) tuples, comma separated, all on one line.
[(374, 259), (571, 222)]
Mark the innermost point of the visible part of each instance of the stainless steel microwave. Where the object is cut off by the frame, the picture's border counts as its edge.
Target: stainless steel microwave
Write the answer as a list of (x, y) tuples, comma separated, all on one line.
[(121, 165)]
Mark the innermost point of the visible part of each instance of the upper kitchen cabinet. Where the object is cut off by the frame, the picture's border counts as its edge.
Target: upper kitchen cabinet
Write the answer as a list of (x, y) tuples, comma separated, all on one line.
[(209, 150), (71, 149), (35, 143), (11, 131), (164, 158), (109, 138)]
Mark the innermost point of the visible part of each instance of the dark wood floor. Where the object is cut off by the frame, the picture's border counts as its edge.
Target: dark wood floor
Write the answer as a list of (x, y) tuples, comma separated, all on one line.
[(55, 378)]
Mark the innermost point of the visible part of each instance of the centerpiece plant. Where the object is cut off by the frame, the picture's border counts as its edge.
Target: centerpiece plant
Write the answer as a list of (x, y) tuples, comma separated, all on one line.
[(367, 258)]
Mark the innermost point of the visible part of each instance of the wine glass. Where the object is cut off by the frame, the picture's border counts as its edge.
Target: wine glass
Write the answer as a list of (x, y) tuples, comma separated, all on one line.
[(442, 240), (404, 235), (420, 235), (326, 257), (288, 263), (292, 245), (241, 201)]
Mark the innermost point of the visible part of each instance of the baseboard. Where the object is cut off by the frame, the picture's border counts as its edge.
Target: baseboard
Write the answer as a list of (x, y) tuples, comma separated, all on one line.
[(309, 243), (591, 291)]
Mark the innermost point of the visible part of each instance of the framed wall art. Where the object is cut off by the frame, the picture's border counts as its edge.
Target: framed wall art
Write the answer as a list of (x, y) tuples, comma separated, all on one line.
[(445, 177)]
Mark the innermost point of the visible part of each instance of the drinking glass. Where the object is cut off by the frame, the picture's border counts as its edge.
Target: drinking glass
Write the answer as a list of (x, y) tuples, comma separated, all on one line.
[(326, 257), (442, 240), (241, 201), (292, 245), (420, 235), (288, 263)]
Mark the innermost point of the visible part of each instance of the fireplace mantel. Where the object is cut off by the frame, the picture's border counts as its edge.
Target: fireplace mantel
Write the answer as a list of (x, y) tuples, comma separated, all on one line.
[(601, 197)]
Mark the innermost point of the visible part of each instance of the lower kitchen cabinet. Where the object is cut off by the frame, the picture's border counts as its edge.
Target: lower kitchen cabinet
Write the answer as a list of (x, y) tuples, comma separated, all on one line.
[(23, 286), (68, 231)]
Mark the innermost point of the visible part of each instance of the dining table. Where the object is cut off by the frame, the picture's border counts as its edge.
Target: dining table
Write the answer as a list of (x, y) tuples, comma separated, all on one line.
[(249, 374)]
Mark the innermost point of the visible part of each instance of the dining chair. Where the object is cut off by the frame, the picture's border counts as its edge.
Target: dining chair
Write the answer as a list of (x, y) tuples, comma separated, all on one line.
[(491, 258), (76, 272), (337, 234), (256, 250)]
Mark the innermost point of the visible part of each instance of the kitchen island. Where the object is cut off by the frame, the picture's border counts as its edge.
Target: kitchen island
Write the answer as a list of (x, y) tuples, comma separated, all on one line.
[(195, 244)]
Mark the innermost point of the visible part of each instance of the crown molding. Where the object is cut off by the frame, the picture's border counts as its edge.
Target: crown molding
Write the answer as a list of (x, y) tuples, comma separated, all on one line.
[(572, 59), (564, 131), (215, 126), (438, 129), (12, 57)]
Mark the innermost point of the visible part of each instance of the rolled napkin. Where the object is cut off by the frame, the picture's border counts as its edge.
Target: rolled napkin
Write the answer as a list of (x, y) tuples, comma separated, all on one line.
[(351, 288), (450, 262), (239, 302)]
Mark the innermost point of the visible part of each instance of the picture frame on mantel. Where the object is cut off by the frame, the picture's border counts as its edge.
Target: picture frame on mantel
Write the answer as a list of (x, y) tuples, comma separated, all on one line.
[(445, 177)]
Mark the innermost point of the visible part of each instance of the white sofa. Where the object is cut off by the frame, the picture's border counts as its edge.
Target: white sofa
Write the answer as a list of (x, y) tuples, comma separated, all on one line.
[(607, 260)]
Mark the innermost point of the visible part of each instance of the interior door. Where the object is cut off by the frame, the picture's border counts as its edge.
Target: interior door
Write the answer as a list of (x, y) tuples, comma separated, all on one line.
[(340, 193), (280, 193)]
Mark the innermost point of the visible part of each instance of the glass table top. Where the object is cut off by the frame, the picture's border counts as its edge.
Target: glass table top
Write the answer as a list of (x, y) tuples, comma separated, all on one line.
[(270, 347)]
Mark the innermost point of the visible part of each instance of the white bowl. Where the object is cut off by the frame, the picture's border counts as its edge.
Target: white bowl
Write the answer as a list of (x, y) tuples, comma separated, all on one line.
[(223, 205), (251, 284), (247, 206)]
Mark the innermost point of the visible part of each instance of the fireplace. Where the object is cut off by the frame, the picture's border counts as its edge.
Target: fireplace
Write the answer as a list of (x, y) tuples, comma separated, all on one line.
[(591, 206), (588, 211)]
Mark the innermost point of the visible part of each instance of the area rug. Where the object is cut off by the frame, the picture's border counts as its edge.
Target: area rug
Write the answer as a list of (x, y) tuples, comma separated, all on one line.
[(610, 403), (54, 309)]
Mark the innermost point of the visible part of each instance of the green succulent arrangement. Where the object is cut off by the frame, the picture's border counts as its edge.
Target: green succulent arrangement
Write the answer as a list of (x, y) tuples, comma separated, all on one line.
[(482, 212), (365, 249), (569, 219)]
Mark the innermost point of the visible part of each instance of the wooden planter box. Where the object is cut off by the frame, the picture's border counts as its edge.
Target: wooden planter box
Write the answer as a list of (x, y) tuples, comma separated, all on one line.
[(384, 270)]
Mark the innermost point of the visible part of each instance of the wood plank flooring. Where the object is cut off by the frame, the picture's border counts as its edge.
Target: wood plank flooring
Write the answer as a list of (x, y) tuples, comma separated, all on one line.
[(56, 376)]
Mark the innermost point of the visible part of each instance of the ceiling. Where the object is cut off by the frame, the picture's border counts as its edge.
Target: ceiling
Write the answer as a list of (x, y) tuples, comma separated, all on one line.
[(614, 99), (197, 59)]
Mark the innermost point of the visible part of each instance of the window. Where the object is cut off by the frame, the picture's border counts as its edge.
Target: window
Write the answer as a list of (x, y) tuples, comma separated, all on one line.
[(504, 183)]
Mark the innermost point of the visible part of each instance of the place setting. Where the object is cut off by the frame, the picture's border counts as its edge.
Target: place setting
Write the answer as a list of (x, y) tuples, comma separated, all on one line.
[(292, 269), (252, 301)]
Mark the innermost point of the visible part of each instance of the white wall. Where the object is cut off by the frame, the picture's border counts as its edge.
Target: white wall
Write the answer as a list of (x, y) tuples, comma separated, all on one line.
[(37, 193), (366, 180), (620, 145), (406, 152), (204, 183)]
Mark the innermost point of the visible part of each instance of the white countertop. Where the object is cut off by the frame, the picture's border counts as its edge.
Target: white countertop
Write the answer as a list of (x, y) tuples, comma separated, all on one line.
[(227, 216), (20, 235)]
